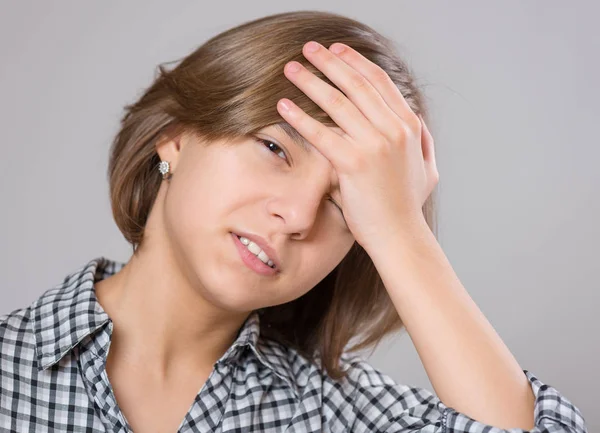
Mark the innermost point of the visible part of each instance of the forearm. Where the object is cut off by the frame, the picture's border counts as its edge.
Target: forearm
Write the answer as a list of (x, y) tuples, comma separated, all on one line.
[(468, 364)]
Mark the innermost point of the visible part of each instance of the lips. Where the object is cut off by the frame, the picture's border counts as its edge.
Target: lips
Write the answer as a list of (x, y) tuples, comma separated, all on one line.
[(264, 245), (251, 260)]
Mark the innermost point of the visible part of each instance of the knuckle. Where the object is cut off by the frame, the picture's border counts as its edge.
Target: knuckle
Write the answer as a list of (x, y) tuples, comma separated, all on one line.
[(355, 163), (380, 76), (318, 136), (414, 123), (358, 82), (398, 134), (433, 178), (429, 138), (336, 99), (382, 147), (432, 187)]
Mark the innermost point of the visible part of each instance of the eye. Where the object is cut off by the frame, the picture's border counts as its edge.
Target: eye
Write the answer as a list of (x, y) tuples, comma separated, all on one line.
[(273, 147), (336, 205), (340, 211)]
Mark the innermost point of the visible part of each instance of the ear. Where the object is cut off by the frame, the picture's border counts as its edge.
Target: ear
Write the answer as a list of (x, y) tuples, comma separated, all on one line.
[(169, 148)]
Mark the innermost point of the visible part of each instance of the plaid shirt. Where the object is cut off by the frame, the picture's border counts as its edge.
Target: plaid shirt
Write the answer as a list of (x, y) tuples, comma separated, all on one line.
[(53, 353)]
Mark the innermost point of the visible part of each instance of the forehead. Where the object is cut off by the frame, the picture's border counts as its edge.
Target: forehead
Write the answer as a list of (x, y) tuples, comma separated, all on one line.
[(289, 132), (284, 129)]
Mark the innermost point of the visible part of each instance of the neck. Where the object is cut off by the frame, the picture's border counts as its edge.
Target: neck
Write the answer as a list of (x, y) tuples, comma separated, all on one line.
[(161, 322)]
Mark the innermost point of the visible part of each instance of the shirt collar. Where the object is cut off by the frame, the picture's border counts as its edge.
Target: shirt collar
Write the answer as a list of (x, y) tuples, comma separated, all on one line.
[(67, 313)]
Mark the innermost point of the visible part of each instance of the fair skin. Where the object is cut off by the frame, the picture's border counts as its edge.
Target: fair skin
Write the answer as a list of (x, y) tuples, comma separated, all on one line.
[(179, 302), (382, 156), (385, 163)]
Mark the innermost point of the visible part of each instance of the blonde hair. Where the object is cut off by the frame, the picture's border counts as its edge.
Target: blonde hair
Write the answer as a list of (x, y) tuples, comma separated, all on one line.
[(228, 88)]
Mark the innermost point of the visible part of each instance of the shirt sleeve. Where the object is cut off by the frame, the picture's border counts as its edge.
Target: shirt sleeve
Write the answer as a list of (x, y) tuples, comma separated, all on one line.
[(381, 405)]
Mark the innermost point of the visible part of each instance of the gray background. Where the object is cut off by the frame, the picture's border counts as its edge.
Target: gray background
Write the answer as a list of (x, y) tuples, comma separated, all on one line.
[(514, 101)]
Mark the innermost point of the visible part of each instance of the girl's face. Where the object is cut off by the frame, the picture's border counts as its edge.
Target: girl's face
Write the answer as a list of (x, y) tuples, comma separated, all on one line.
[(273, 189)]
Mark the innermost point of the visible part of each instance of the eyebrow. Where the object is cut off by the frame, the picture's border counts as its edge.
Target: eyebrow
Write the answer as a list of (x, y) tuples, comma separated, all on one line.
[(299, 140), (293, 135)]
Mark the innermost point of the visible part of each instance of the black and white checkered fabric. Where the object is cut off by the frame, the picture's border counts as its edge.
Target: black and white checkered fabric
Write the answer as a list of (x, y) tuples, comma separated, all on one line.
[(53, 354)]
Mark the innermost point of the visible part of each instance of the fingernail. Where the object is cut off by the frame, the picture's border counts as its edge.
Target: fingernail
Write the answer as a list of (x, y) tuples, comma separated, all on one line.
[(312, 46), (285, 105), (337, 48), (293, 67)]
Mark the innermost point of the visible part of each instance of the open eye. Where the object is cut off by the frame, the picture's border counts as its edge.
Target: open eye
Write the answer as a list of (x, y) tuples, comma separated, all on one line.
[(273, 147)]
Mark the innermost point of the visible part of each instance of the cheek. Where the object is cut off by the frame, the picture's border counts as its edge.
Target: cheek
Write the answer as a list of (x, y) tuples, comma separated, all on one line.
[(192, 216), (330, 255), (317, 261), (187, 207), (200, 196)]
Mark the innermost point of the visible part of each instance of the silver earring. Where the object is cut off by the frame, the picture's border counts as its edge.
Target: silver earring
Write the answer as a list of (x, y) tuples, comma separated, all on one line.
[(164, 167)]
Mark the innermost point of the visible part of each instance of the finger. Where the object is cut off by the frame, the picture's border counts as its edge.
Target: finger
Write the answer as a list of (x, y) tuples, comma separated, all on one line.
[(379, 79), (343, 112), (357, 89), (428, 147), (426, 141), (330, 143)]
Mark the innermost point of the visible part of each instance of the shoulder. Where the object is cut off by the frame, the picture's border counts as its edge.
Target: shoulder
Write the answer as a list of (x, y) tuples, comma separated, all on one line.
[(378, 401), (20, 332), (362, 380), (17, 342), (15, 325), (365, 399)]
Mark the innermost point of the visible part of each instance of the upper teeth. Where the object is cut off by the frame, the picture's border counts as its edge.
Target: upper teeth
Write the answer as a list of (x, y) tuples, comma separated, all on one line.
[(255, 249)]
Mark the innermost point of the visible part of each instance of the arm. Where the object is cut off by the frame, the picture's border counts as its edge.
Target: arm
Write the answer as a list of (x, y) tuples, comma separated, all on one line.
[(469, 366)]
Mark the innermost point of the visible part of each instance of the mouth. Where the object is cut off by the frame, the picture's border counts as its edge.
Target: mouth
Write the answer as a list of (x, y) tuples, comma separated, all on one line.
[(254, 257)]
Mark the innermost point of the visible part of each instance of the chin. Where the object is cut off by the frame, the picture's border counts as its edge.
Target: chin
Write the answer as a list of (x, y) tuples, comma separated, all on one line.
[(232, 294), (224, 281), (235, 304)]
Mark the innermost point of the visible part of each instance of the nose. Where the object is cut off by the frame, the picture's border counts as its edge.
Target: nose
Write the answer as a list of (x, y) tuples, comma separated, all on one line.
[(297, 209)]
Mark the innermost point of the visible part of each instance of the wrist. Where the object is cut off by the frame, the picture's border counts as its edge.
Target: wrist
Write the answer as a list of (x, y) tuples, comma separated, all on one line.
[(410, 231)]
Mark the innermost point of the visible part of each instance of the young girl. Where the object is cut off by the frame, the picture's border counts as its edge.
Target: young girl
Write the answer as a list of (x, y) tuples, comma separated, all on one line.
[(267, 234)]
